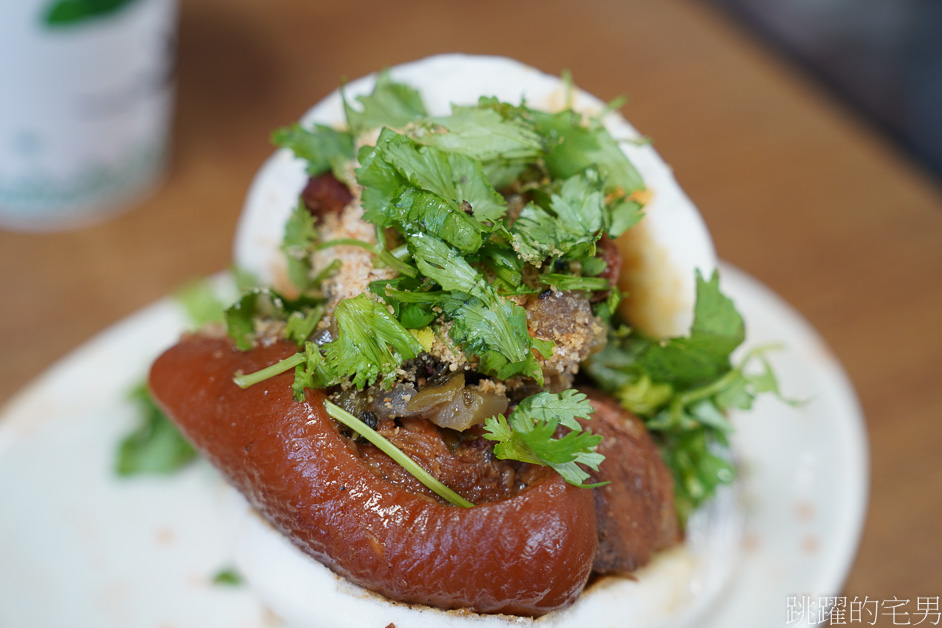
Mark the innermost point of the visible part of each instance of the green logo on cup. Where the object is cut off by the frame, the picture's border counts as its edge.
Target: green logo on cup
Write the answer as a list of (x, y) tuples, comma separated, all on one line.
[(70, 12)]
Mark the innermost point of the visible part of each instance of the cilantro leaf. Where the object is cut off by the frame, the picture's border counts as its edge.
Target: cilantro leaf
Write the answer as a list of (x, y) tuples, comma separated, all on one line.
[(202, 305), (626, 213), (569, 227), (504, 173), (370, 342), (716, 316), (565, 406), (528, 434), (416, 316), (717, 329), (697, 466), (575, 146), (228, 577), (322, 147), (484, 324), (312, 373), (474, 187), (449, 175), (420, 187), (534, 235), (240, 320), (155, 446), (496, 332), (643, 397), (506, 266), (382, 184), (580, 206), (481, 134), (299, 240), (442, 264), (411, 305), (571, 282), (258, 303), (422, 166), (300, 325), (418, 210), (496, 364), (683, 388), (390, 104)]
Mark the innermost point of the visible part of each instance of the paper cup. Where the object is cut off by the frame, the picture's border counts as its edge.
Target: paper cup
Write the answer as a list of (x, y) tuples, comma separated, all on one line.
[(86, 93)]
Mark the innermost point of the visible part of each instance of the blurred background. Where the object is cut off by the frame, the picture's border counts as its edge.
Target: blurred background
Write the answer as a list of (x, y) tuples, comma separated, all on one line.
[(882, 58), (808, 133)]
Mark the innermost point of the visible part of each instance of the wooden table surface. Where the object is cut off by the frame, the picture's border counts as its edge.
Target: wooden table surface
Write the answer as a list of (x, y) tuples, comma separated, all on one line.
[(796, 191)]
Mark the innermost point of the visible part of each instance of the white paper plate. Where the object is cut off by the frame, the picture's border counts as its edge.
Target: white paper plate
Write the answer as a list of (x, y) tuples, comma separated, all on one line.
[(82, 548)]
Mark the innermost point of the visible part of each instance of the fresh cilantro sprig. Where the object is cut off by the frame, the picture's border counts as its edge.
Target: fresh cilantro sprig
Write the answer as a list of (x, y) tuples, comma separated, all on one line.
[(311, 372), (577, 143), (201, 303), (568, 226), (229, 577), (155, 446), (299, 240), (683, 388), (299, 315), (300, 324), (703, 355), (370, 342), (571, 282), (497, 334), (389, 104), (302, 312), (482, 134), (449, 176), (417, 188), (529, 435), (322, 147)]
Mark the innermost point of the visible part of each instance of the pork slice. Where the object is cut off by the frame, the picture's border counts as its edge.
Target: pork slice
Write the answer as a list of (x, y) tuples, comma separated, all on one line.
[(635, 512)]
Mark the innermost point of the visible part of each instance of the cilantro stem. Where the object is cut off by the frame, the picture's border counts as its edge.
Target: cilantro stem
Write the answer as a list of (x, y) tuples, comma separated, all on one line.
[(705, 392), (395, 258), (400, 252), (568, 85), (382, 254), (717, 385), (569, 282), (404, 296), (244, 381), (380, 237), (390, 260), (345, 242), (614, 104), (393, 452)]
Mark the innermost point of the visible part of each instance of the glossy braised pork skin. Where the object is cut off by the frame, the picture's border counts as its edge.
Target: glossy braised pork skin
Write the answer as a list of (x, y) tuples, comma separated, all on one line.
[(524, 555), (635, 512)]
